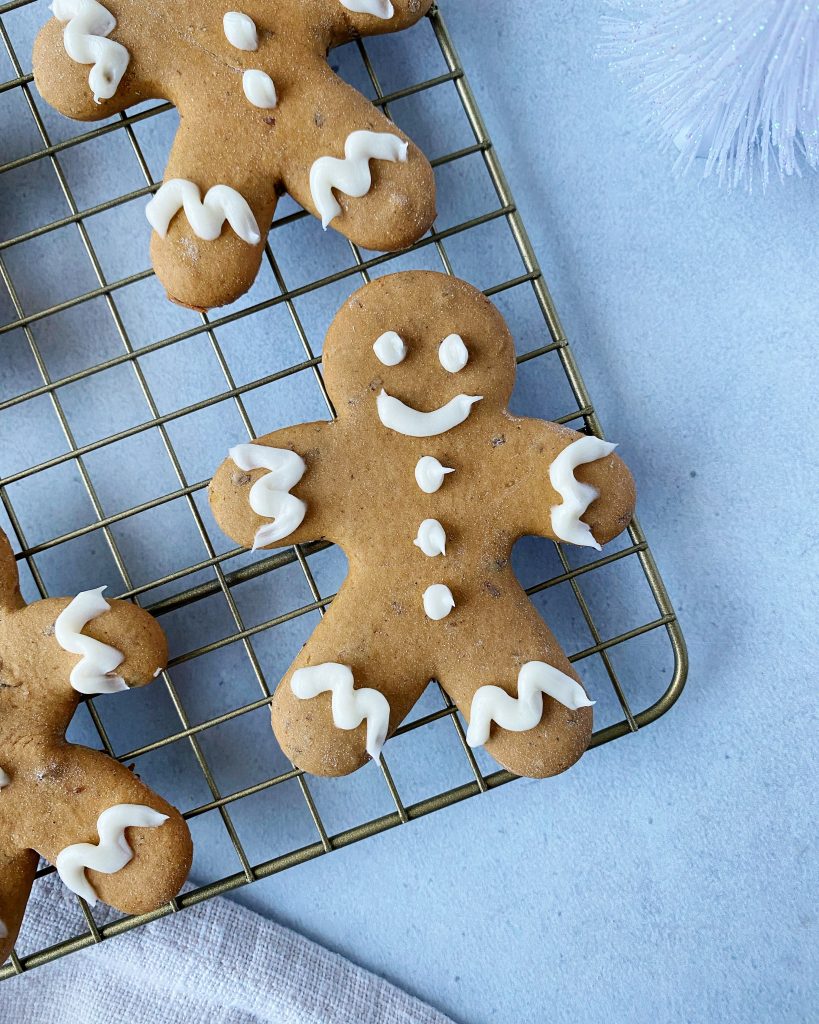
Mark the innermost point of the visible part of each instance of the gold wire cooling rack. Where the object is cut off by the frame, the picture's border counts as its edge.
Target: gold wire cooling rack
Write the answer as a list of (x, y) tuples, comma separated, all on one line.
[(200, 580)]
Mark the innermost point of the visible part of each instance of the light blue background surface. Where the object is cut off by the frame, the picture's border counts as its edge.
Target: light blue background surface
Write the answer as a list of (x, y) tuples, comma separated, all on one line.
[(671, 876)]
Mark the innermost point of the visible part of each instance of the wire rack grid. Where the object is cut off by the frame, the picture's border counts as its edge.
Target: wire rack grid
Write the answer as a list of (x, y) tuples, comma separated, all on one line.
[(200, 580)]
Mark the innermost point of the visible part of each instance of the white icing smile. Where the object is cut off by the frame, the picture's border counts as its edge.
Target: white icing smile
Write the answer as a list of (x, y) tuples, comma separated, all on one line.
[(94, 673), (576, 496), (521, 713), (270, 495), (403, 419), (84, 38), (112, 852), (350, 707)]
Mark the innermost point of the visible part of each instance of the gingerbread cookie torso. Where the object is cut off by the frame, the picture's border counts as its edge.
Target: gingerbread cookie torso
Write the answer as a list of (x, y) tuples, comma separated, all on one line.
[(261, 113), (108, 835), (426, 481)]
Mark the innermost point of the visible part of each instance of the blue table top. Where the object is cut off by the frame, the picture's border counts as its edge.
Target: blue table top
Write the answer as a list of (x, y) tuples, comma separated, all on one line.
[(667, 877)]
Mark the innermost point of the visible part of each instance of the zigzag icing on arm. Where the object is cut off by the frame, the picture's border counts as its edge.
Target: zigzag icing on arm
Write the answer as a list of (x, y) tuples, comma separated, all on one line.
[(270, 495), (377, 8), (352, 174), (84, 38), (403, 419), (350, 707), (576, 496), (112, 852), (206, 217), (95, 672), (492, 704)]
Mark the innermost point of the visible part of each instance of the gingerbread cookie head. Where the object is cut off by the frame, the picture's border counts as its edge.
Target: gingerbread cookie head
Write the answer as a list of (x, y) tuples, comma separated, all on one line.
[(109, 836), (261, 114), (439, 356), (426, 480)]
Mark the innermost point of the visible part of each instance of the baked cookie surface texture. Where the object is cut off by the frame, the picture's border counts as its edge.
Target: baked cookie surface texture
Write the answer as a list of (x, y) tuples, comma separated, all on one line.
[(426, 481), (261, 113), (108, 835)]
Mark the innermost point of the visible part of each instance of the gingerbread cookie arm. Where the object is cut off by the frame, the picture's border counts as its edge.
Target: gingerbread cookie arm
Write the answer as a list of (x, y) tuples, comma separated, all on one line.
[(17, 871), (280, 489), (571, 487), (343, 20), (10, 597), (345, 162), (354, 681), (500, 675), (91, 60), (105, 829)]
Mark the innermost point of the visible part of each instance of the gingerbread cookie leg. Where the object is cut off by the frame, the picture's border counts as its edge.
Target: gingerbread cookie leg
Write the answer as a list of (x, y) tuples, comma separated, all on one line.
[(514, 684), (354, 169), (109, 836), (17, 870), (351, 685)]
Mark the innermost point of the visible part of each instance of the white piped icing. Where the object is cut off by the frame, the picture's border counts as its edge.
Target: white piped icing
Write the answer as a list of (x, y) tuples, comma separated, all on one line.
[(378, 8), (84, 38), (4, 779), (390, 348), (521, 713), (94, 673), (452, 353), (206, 217), (112, 852), (240, 31), (4, 932), (403, 419), (350, 707), (429, 474), (270, 495), (352, 174), (576, 496), (438, 601), (259, 89), (431, 538)]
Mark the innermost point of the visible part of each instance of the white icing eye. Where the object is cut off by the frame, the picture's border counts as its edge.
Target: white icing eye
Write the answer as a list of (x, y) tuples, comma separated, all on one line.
[(259, 88), (240, 31), (453, 353), (390, 348)]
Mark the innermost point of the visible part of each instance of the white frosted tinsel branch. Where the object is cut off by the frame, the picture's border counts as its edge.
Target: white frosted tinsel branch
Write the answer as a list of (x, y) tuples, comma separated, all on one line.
[(735, 83)]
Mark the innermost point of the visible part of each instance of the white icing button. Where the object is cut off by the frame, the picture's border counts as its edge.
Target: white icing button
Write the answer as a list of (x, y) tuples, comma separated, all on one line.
[(350, 707), (352, 174), (4, 779), (85, 42), (431, 538), (259, 88), (403, 419), (240, 31), (206, 217), (521, 713), (378, 8), (429, 474), (270, 495), (576, 496), (438, 601), (112, 852), (390, 348), (94, 673), (453, 353)]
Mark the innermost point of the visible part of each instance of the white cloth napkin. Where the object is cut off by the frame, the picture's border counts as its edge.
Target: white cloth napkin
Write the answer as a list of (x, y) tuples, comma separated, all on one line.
[(216, 963)]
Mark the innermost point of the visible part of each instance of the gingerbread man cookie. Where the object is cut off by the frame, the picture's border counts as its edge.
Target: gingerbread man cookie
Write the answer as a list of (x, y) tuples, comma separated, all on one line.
[(426, 481), (261, 113), (108, 835)]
